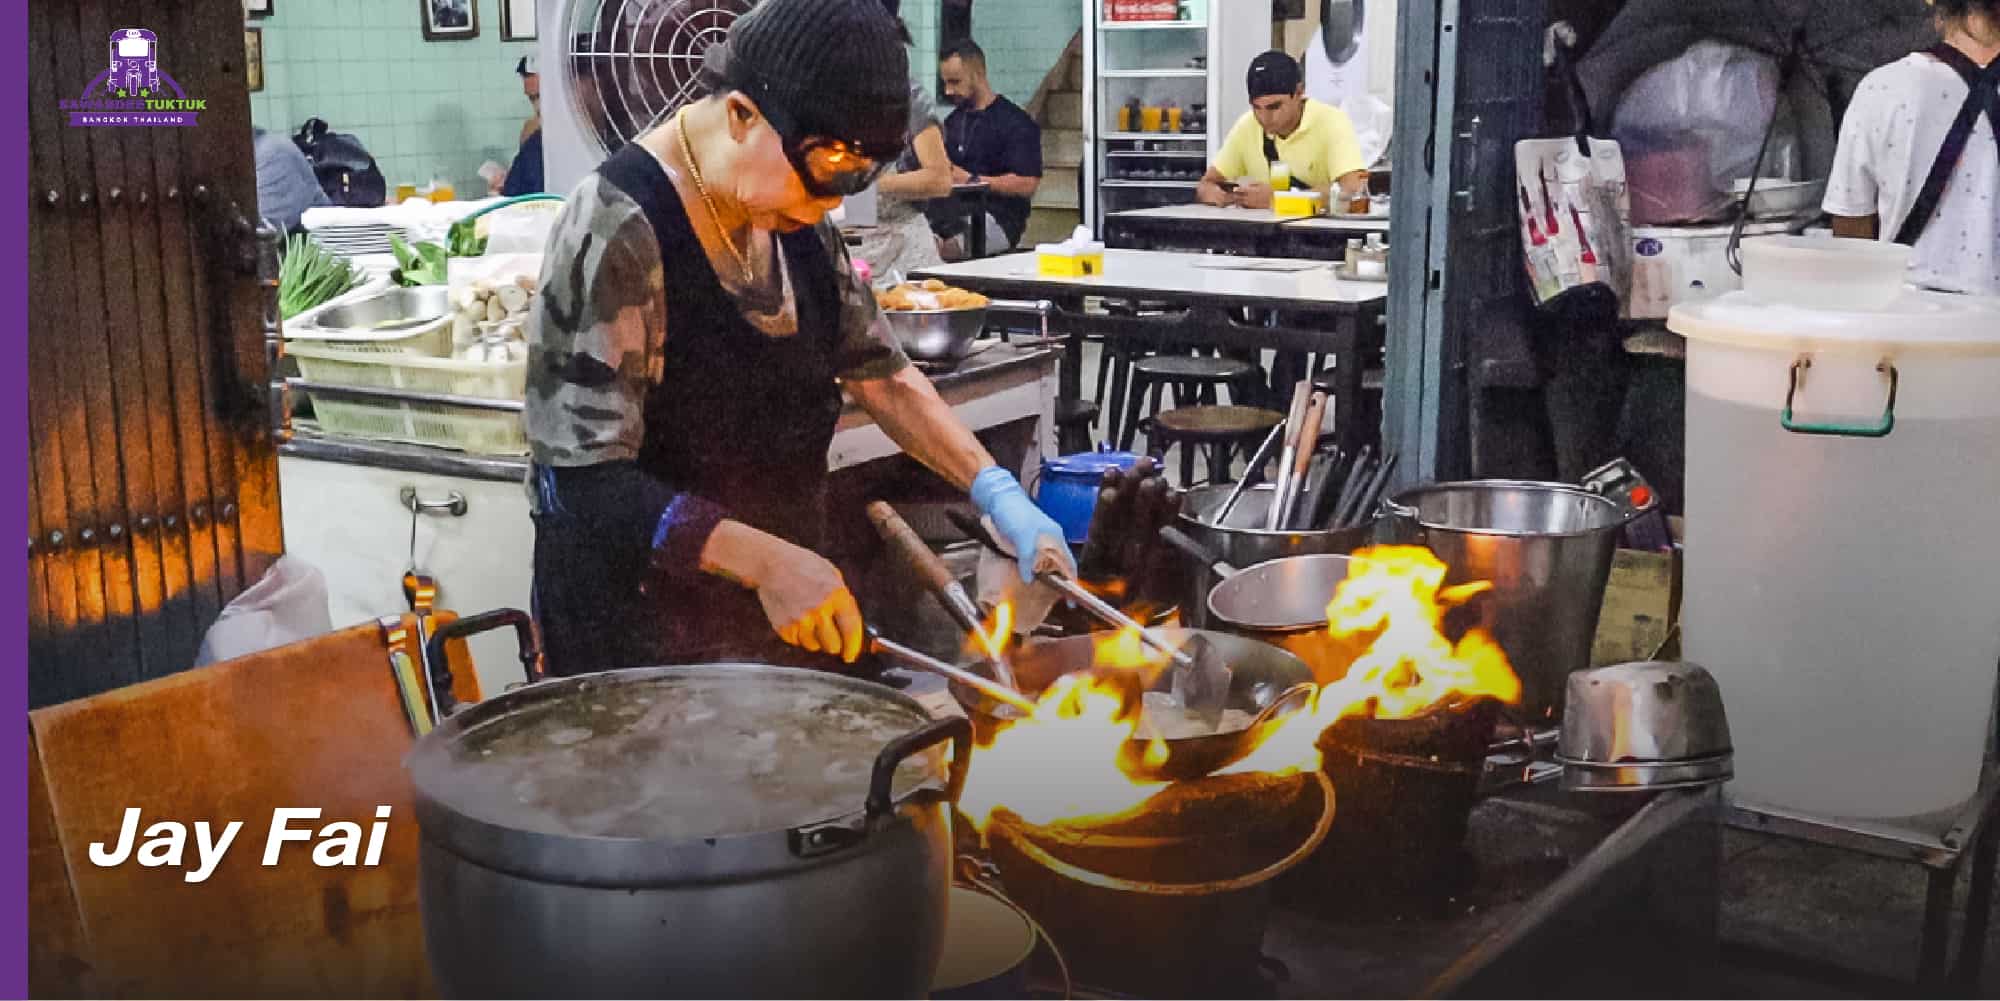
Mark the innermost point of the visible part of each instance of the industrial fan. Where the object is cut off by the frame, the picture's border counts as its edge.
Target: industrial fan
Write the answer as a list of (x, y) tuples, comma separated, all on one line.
[(612, 68)]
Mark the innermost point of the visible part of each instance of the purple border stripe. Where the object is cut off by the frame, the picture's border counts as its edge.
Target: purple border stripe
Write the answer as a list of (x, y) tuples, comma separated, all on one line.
[(14, 583)]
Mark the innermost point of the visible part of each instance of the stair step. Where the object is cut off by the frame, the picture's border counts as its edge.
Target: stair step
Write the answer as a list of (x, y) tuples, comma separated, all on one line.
[(1062, 148), (1063, 111), (1058, 188), (1049, 225)]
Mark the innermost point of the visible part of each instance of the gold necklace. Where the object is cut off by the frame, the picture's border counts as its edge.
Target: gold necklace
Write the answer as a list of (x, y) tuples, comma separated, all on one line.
[(701, 188)]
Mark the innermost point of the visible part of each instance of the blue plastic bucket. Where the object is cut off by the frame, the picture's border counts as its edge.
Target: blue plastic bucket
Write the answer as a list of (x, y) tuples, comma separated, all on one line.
[(1067, 487)]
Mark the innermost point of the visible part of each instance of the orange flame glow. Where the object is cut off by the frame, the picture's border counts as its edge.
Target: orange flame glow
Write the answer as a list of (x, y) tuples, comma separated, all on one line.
[(1061, 763)]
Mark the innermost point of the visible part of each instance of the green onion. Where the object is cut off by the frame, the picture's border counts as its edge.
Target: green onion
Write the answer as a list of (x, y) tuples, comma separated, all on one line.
[(308, 276)]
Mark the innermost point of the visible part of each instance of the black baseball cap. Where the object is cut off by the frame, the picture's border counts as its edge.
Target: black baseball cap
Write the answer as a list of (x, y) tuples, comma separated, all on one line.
[(1274, 73), (837, 68)]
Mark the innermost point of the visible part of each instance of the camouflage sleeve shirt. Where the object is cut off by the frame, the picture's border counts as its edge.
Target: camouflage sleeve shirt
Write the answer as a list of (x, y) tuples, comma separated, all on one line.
[(595, 350)]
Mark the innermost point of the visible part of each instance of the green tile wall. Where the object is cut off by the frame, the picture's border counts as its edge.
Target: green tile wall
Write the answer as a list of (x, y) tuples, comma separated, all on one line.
[(420, 107), (1022, 39)]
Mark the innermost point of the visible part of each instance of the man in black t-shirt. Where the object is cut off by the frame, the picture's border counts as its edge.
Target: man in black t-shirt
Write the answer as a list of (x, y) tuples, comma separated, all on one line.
[(991, 140)]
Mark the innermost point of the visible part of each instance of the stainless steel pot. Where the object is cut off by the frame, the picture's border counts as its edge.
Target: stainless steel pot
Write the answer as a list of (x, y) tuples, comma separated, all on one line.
[(537, 901), (1242, 546), (936, 334), (1644, 726), (1546, 547), (1281, 602)]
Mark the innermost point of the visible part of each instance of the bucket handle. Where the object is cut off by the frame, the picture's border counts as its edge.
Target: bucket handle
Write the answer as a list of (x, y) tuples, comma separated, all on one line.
[(1879, 429), (1036, 854)]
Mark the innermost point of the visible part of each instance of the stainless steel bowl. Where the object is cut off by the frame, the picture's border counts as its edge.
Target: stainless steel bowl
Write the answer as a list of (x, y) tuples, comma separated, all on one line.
[(398, 308), (936, 334), (1644, 725)]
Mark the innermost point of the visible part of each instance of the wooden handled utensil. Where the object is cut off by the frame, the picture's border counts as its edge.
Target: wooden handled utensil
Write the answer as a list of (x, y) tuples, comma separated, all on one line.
[(1295, 419), (915, 554), (1308, 443)]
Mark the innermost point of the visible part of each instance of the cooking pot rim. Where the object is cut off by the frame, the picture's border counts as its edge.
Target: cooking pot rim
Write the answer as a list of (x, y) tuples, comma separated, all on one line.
[(1363, 531), (1243, 575), (618, 861), (1398, 506)]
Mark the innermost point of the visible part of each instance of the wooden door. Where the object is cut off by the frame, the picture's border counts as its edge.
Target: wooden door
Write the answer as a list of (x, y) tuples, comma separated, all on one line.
[(153, 481)]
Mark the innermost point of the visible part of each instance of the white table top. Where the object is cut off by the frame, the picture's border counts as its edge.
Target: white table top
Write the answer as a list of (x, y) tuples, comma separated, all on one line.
[(1199, 213), (1165, 274), (1345, 224)]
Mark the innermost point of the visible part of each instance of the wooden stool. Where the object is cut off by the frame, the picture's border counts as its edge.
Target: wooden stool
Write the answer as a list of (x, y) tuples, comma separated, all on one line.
[(1219, 428), (1194, 378)]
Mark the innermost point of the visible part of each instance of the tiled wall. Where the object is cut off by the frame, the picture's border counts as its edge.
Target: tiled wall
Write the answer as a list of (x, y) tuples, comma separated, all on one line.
[(1022, 39), (419, 107)]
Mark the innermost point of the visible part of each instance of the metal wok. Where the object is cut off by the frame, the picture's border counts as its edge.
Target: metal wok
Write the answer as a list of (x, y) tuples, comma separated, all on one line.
[(1261, 674)]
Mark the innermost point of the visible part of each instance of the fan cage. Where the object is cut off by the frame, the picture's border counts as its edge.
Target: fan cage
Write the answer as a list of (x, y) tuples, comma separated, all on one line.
[(632, 63)]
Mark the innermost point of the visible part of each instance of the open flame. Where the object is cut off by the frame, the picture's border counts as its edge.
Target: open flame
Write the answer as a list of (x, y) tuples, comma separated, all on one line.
[(1061, 763), (1409, 668)]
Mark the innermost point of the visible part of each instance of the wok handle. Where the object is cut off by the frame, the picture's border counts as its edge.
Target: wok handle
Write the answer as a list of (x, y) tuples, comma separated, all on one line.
[(1185, 543), (881, 783), (904, 542)]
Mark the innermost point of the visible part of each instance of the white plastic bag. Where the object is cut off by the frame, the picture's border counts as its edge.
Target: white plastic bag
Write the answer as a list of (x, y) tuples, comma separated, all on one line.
[(1692, 125), (286, 605)]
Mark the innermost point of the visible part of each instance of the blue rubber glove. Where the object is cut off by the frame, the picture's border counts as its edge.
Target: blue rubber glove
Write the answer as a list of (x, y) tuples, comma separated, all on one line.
[(1026, 528)]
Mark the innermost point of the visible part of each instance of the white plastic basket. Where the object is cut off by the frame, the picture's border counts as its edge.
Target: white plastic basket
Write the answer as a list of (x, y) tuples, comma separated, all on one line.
[(467, 429)]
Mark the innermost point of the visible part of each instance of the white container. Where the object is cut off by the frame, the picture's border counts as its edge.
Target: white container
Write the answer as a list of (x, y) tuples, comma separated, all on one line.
[(1825, 274), (1844, 587), (1676, 264)]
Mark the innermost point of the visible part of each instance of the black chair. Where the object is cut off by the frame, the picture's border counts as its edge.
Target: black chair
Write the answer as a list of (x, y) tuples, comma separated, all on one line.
[(1219, 429)]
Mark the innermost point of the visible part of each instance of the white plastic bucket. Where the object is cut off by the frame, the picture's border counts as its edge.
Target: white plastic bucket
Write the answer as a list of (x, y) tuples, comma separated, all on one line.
[(1842, 567)]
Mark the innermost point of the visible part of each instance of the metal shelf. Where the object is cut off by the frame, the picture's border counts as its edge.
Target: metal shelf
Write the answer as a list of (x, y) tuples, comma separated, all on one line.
[(1150, 25), (1122, 183), (1176, 72), (1168, 154), (1190, 137)]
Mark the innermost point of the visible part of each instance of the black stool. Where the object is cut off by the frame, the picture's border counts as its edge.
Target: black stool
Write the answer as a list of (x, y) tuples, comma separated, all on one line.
[(1219, 428), (1074, 420), (1194, 379)]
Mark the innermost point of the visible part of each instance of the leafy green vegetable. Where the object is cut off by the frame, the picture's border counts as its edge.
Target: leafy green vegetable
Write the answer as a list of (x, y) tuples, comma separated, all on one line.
[(463, 239), (425, 264), (308, 276)]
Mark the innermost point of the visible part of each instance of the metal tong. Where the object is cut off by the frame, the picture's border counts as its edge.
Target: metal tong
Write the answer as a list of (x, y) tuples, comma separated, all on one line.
[(1201, 679), (879, 644)]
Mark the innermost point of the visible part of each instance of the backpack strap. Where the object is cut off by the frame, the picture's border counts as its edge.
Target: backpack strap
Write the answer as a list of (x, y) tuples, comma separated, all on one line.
[(1982, 97)]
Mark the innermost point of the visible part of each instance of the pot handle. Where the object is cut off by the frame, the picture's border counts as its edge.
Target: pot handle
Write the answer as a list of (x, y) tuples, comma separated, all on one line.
[(529, 640), (956, 729), (1185, 543)]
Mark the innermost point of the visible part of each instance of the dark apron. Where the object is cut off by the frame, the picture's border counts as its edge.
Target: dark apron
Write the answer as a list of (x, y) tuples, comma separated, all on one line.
[(1982, 97), (739, 418)]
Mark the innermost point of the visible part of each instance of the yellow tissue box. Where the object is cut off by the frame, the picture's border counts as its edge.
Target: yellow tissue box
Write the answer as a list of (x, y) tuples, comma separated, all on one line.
[(1054, 263), (1297, 204)]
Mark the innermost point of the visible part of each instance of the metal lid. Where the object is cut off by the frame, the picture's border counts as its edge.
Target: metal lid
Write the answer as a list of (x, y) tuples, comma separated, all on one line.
[(1093, 463), (595, 776)]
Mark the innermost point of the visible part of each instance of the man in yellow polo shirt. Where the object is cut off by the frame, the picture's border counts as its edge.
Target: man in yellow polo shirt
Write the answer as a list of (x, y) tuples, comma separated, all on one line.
[(1315, 141)]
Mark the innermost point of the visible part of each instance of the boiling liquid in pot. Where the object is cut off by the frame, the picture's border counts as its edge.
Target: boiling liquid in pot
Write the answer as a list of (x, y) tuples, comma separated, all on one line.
[(673, 759)]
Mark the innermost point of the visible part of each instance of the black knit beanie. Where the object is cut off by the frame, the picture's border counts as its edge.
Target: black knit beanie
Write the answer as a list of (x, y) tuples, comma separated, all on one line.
[(836, 68)]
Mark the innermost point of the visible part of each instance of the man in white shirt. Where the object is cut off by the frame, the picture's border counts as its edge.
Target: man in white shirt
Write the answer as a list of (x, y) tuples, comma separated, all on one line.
[(1892, 134)]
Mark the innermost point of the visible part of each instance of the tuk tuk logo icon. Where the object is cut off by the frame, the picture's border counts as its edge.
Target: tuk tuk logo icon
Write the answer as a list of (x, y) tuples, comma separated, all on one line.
[(133, 90)]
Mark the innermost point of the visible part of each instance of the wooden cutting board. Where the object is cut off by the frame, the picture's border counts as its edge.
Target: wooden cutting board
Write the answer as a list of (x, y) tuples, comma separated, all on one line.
[(315, 724)]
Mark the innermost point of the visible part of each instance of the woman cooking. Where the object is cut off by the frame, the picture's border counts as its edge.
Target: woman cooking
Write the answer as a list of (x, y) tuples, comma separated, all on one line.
[(698, 323)]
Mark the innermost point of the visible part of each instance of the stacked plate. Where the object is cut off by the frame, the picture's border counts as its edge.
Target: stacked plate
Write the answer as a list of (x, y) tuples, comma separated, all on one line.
[(355, 239)]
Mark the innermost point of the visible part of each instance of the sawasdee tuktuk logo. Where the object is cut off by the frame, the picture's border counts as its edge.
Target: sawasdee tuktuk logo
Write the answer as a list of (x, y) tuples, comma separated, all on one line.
[(133, 90)]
